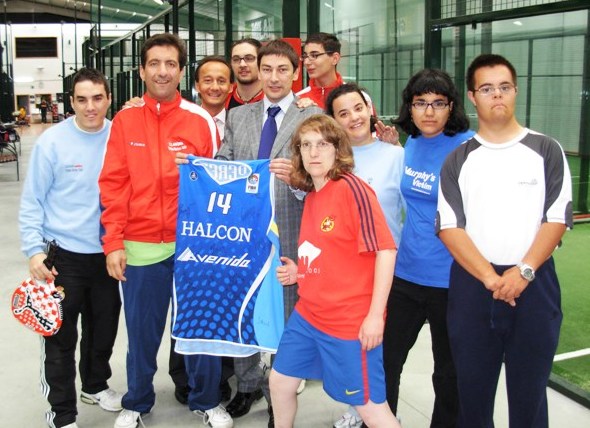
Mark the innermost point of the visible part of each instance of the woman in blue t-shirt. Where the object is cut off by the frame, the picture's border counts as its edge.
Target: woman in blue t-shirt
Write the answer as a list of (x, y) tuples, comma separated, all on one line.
[(432, 115)]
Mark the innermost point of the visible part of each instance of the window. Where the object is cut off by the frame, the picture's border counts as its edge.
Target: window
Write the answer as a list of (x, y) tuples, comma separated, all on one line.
[(36, 47)]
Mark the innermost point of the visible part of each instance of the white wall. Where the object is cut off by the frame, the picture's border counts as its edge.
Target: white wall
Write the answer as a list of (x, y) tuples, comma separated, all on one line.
[(34, 77)]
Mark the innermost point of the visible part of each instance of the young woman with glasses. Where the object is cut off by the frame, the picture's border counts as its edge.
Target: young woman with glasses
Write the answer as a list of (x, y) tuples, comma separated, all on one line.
[(432, 115)]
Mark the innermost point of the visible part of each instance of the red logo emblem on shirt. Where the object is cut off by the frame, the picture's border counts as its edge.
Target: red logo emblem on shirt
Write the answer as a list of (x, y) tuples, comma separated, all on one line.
[(327, 224)]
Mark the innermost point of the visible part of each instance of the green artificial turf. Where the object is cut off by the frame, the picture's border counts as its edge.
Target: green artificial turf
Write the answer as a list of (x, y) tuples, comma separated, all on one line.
[(573, 268)]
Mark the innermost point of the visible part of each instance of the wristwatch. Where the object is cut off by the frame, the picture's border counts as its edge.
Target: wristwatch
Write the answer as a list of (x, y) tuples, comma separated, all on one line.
[(526, 271)]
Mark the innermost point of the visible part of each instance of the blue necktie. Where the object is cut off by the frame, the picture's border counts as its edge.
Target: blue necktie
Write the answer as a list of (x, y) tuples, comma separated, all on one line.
[(269, 133)]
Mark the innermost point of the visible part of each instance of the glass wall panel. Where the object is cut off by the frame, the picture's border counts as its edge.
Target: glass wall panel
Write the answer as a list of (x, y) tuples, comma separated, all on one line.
[(262, 20), (549, 86), (382, 45), (453, 8)]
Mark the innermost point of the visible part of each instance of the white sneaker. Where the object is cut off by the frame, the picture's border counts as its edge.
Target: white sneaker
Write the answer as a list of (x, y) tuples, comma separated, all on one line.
[(348, 420), (128, 419), (216, 417), (301, 386), (108, 399), (72, 425)]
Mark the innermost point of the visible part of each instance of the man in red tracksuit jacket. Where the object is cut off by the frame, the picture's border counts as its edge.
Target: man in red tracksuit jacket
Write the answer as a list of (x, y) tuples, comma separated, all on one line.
[(139, 193)]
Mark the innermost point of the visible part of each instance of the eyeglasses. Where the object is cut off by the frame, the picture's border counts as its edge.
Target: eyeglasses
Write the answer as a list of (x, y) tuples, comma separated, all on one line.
[(436, 105), (312, 56), (321, 146), (248, 59), (486, 90)]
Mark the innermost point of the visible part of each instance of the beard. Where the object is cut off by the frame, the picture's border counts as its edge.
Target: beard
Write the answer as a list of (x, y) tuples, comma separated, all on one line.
[(246, 80)]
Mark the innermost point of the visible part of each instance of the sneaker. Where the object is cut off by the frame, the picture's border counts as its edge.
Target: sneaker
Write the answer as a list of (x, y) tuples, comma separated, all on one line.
[(108, 399), (348, 420), (129, 419), (301, 386), (216, 417)]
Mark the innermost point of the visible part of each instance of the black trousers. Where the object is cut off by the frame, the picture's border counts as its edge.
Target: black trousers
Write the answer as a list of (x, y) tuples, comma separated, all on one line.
[(176, 367), (94, 296), (408, 307)]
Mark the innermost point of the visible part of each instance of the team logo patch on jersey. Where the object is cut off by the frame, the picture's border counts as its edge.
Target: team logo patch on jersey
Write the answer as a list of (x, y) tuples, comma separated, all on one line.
[(193, 175), (252, 183), (327, 224)]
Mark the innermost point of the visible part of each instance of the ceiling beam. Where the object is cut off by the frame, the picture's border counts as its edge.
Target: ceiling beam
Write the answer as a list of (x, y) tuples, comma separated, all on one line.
[(17, 12)]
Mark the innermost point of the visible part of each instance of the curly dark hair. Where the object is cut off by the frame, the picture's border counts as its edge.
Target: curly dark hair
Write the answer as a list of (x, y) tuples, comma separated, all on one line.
[(165, 39), (332, 133), (432, 81)]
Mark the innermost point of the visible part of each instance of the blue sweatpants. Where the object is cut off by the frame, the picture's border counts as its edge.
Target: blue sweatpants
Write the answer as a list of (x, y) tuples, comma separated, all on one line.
[(146, 299), (483, 332), (204, 376)]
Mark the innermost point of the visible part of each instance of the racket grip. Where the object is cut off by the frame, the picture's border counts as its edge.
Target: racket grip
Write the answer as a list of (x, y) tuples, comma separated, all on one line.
[(51, 254)]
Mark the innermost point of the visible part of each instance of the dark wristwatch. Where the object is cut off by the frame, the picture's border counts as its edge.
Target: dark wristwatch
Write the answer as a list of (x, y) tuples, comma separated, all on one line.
[(526, 271)]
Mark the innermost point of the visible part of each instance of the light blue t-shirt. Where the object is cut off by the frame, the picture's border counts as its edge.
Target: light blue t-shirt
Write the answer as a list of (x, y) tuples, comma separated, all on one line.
[(380, 165), (60, 198), (422, 258)]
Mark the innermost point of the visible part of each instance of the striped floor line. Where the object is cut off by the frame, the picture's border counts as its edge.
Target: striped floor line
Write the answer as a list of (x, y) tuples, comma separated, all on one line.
[(573, 354)]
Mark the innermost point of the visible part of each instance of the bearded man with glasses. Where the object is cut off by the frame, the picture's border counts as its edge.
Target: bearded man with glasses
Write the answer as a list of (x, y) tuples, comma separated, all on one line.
[(247, 88)]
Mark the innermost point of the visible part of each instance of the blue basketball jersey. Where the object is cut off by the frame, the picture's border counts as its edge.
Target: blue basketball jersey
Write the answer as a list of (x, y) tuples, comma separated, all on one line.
[(227, 298)]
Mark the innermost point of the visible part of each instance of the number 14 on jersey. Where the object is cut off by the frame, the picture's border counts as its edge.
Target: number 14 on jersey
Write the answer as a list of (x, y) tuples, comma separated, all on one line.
[(221, 200)]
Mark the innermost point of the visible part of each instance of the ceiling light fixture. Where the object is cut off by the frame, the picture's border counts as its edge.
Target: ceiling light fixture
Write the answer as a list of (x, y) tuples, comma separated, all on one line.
[(23, 79)]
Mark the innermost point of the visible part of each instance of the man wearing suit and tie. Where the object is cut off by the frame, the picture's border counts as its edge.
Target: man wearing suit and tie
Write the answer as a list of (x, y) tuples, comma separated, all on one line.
[(249, 136)]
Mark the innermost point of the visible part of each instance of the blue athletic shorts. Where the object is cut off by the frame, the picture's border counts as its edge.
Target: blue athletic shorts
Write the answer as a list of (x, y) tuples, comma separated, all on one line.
[(350, 375)]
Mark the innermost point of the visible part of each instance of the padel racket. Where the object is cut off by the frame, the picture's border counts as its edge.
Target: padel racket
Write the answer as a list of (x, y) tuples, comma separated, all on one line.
[(37, 304)]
